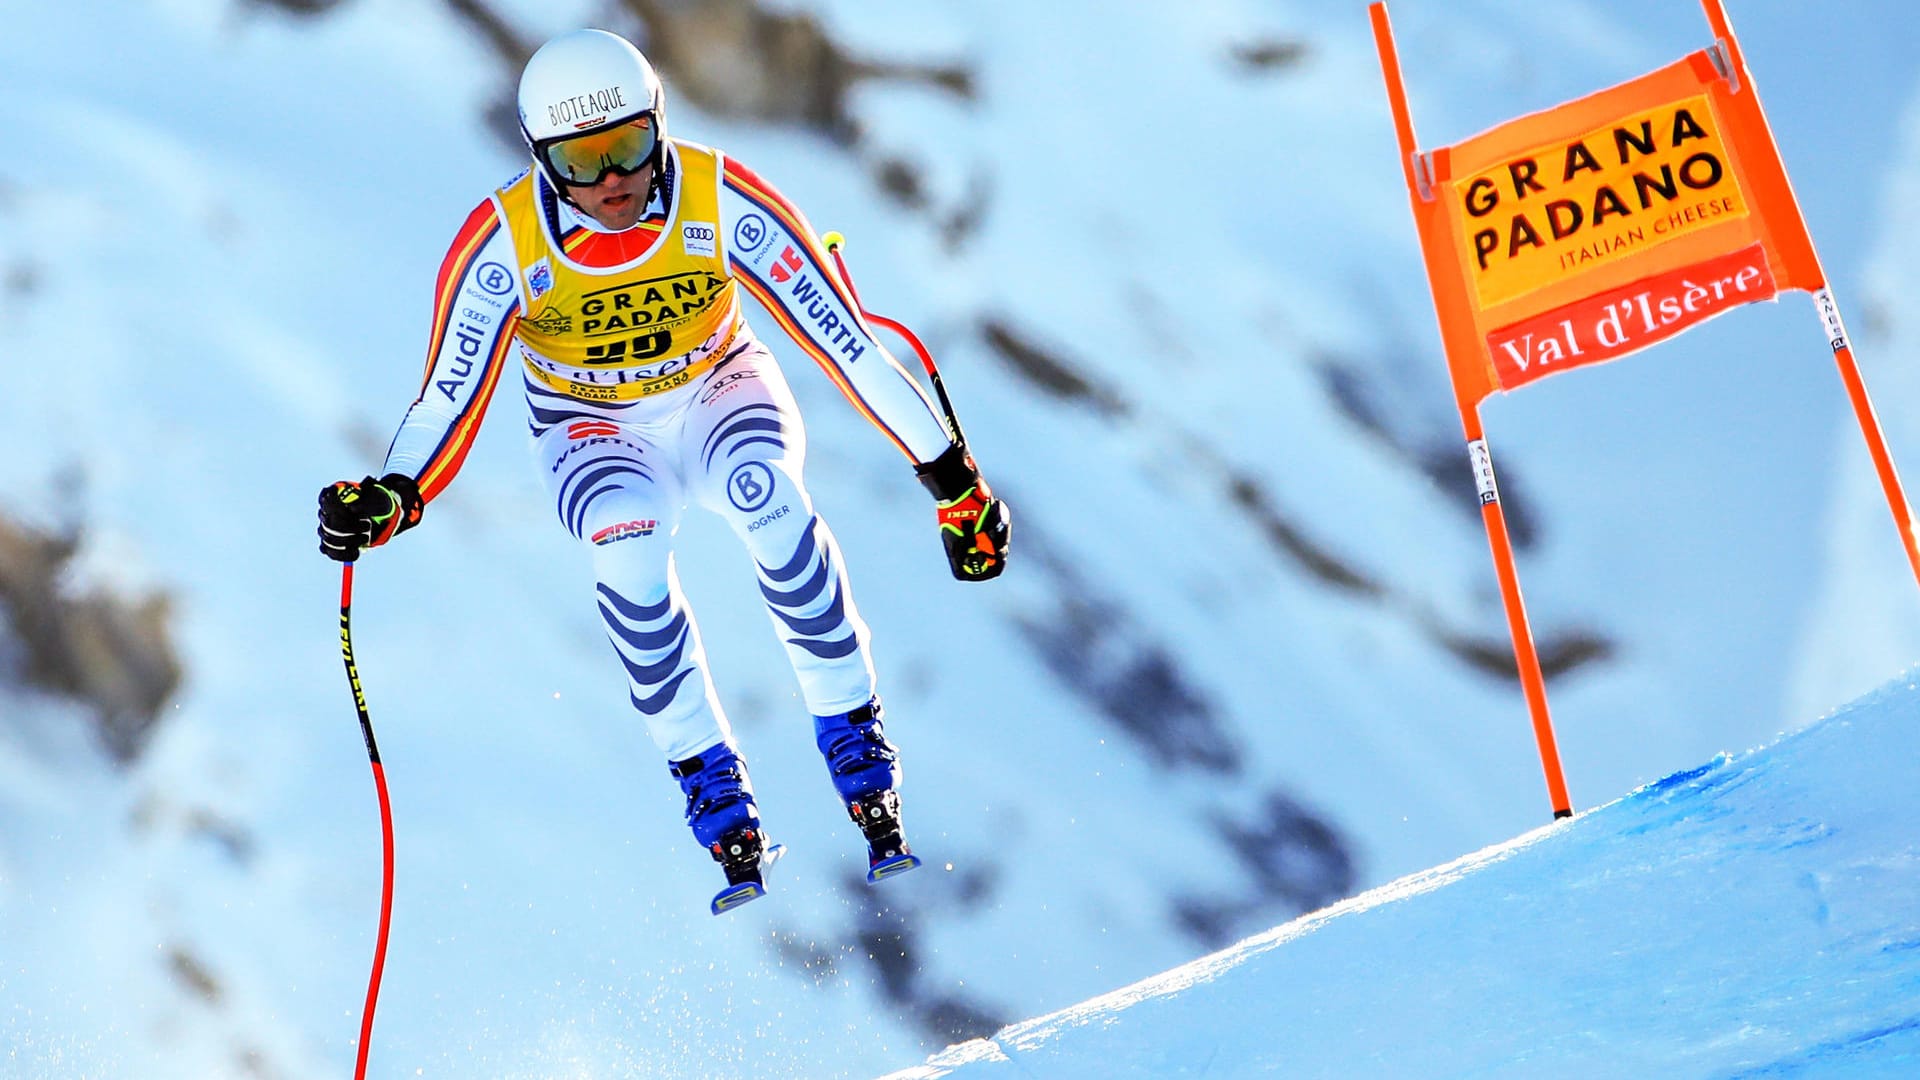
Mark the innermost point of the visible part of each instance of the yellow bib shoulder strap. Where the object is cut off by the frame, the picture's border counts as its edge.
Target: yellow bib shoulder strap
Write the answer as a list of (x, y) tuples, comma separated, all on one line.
[(638, 328)]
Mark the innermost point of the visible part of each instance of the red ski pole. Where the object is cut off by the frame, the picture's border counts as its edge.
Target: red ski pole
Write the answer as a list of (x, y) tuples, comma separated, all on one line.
[(386, 819), (835, 242)]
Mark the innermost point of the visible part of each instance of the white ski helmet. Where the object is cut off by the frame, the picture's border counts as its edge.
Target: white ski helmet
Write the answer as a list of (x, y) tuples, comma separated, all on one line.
[(576, 90)]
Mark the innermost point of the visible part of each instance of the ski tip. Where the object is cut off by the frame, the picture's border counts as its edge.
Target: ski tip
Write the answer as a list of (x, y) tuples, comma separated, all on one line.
[(734, 895), (888, 867)]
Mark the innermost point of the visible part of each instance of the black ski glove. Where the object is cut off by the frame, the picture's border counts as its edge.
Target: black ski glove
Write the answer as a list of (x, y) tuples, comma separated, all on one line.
[(354, 517), (974, 526)]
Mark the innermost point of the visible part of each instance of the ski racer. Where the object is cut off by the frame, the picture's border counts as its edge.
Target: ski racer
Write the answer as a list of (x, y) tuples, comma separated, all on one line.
[(607, 276)]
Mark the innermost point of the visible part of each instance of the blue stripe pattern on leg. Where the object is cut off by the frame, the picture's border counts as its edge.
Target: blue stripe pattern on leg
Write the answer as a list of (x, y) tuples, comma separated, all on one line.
[(588, 483), (653, 684), (739, 426), (802, 608)]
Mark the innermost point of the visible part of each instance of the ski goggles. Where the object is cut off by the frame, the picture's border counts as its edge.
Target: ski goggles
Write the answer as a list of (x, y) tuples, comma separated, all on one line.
[(586, 159)]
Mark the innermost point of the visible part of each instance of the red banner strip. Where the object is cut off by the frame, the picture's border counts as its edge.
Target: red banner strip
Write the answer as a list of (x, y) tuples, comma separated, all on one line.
[(1612, 324)]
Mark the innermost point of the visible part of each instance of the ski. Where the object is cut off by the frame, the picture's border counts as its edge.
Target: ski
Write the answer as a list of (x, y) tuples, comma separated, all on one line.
[(890, 865), (752, 885), (878, 816)]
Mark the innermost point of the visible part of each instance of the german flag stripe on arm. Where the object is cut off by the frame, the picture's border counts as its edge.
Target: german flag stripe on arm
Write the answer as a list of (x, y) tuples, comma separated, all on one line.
[(826, 362), (446, 459), (757, 193), (449, 376), (747, 183), (480, 227)]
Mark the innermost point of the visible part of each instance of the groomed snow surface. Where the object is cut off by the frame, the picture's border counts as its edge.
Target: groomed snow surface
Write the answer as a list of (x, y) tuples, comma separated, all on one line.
[(1757, 916)]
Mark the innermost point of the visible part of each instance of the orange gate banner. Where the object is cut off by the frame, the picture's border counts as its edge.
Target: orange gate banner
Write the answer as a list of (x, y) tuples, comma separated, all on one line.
[(1594, 229)]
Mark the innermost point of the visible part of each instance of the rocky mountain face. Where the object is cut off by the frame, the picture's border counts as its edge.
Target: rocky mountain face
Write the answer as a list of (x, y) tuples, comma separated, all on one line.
[(744, 61), (112, 653)]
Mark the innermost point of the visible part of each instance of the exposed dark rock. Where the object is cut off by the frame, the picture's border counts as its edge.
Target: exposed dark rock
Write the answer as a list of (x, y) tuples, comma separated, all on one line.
[(508, 46), (1299, 863), (902, 181), (886, 948), (960, 224), (227, 837), (955, 1020), (1558, 653), (1450, 470), (887, 938), (731, 58), (1271, 55), (1069, 641), (254, 1063), (1876, 327), (298, 7), (1048, 370), (974, 884), (1322, 564), (1441, 459), (805, 957), (1092, 644), (193, 976), (502, 118), (734, 59), (1353, 393), (111, 653), (22, 279), (510, 50)]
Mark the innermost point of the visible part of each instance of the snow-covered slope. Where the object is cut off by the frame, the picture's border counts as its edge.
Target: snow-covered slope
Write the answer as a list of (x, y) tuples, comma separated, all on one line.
[(1184, 324), (1756, 916)]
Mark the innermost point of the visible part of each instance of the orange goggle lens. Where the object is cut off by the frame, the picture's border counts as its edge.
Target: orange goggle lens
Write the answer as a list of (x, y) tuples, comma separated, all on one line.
[(584, 159)]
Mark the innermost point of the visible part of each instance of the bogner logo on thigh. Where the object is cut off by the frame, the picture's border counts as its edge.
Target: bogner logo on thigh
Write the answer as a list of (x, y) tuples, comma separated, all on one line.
[(750, 486), (769, 518)]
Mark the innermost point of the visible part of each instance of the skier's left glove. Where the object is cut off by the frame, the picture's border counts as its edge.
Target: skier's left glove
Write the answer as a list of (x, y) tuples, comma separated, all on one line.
[(974, 525), (354, 517)]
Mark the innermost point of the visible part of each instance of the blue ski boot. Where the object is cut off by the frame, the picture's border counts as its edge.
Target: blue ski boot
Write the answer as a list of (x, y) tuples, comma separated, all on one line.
[(722, 814), (866, 772)]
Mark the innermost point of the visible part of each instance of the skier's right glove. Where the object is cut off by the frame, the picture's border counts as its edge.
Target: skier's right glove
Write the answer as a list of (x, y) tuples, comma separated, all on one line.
[(354, 517), (974, 525)]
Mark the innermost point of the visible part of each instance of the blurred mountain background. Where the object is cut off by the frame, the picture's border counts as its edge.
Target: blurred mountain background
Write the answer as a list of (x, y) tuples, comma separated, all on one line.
[(1249, 658)]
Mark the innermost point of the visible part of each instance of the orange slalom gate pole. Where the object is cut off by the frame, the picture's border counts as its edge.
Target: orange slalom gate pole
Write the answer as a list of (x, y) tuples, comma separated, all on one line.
[(1533, 683), (1829, 313), (1869, 425)]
